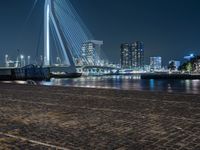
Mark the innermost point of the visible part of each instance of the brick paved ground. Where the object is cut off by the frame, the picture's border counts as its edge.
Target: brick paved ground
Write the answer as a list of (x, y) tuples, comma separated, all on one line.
[(75, 118)]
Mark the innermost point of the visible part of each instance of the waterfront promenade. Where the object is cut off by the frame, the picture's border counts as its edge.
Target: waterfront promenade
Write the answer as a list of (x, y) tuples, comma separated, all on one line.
[(39, 117)]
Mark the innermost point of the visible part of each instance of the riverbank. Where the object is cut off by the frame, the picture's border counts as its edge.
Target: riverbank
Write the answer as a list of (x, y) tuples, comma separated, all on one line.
[(40, 117), (168, 76)]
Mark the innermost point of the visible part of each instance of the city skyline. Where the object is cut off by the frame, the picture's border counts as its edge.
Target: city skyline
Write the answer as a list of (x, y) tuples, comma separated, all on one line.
[(165, 29), (100, 74)]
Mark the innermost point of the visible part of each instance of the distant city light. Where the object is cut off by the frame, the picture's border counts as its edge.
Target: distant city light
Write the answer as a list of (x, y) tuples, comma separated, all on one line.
[(22, 56), (189, 57)]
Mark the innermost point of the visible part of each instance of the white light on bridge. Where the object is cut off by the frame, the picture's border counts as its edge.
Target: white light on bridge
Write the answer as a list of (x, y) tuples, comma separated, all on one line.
[(47, 32)]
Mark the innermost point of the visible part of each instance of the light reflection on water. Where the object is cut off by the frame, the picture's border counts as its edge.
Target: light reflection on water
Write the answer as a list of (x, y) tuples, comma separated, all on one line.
[(130, 83)]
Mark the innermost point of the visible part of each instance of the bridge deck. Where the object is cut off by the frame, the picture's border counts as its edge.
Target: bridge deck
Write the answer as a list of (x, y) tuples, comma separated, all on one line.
[(76, 118)]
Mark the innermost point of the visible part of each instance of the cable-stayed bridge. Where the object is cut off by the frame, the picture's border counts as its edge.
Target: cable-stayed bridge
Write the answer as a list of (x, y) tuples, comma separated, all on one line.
[(72, 41), (71, 38), (68, 44)]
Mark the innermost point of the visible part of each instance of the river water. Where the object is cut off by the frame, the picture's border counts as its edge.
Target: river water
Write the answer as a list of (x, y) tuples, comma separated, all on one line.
[(130, 83)]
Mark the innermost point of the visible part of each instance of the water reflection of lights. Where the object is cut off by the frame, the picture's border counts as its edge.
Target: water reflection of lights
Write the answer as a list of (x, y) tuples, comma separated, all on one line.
[(169, 88), (152, 84), (92, 87), (195, 86), (7, 82), (58, 81), (187, 85), (47, 83), (20, 82), (15, 82), (129, 83)]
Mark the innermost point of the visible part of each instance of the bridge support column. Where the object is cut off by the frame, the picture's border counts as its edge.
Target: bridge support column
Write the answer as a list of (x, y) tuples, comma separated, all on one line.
[(47, 10)]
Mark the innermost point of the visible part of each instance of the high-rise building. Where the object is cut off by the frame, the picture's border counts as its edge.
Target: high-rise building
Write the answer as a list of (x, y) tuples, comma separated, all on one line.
[(90, 51), (137, 55), (155, 63), (132, 55), (125, 56)]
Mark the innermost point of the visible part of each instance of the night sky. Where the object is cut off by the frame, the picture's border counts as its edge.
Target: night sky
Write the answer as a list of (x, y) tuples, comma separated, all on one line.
[(168, 28)]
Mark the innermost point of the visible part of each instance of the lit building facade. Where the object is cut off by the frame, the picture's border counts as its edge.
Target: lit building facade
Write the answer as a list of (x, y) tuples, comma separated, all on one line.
[(132, 55), (90, 52), (125, 56), (137, 55), (156, 63)]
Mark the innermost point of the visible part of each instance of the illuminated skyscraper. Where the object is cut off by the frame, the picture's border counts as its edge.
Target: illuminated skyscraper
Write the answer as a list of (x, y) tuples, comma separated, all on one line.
[(132, 55), (125, 56), (137, 55), (90, 51)]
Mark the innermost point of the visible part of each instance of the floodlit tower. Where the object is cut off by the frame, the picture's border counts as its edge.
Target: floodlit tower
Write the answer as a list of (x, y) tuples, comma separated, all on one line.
[(22, 61), (28, 60), (6, 61), (47, 10)]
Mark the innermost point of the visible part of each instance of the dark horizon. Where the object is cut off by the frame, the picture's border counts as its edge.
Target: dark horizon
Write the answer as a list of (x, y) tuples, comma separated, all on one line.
[(168, 28)]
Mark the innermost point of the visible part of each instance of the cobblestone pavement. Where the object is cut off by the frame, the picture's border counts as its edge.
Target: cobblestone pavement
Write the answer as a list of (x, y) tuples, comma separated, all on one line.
[(36, 117)]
